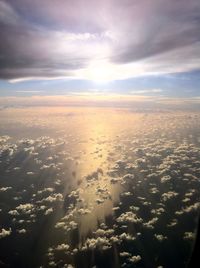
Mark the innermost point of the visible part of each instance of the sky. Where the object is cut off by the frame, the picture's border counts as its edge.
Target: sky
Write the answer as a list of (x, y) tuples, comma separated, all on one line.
[(90, 47)]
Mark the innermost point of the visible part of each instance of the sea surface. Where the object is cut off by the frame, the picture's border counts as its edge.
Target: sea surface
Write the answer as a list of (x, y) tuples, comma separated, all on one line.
[(98, 187)]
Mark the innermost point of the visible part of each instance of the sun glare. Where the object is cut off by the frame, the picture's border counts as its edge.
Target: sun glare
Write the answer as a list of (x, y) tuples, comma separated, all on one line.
[(99, 72)]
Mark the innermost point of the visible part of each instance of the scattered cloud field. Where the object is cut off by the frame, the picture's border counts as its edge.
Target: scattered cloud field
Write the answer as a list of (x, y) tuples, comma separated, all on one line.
[(98, 187)]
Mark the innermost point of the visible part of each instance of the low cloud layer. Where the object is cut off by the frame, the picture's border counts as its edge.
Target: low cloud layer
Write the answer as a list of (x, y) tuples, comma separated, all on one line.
[(122, 38), (101, 192)]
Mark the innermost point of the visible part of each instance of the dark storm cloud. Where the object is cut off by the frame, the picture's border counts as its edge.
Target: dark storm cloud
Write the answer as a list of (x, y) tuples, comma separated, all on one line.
[(57, 38)]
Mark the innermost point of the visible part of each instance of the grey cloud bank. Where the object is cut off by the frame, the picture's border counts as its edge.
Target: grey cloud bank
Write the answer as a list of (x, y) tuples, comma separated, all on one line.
[(58, 39)]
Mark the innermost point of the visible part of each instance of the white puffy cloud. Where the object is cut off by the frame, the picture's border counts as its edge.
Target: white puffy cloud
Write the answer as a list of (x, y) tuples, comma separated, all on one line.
[(169, 195), (173, 223), (126, 236), (52, 263), (102, 232), (124, 254), (13, 212), (165, 178), (48, 211), (154, 190), (66, 225), (129, 217), (30, 173), (193, 207), (126, 194), (135, 259), (4, 232), (45, 190), (160, 237), (62, 247), (150, 224), (53, 198), (26, 208), (158, 211), (189, 236), (21, 231), (100, 242), (5, 189)]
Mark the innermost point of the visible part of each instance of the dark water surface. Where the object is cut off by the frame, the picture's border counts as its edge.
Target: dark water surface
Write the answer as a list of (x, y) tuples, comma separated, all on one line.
[(98, 187)]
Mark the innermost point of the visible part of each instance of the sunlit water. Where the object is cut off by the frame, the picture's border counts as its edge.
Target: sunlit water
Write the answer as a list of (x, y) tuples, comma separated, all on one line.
[(98, 187)]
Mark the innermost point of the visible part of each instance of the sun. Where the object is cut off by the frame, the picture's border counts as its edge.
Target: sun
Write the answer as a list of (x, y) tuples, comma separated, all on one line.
[(99, 72)]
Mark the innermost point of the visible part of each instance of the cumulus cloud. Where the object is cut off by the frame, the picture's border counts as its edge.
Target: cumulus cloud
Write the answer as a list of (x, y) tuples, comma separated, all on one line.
[(53, 198), (13, 212), (66, 225), (84, 211), (135, 259), (160, 237), (4, 139), (26, 208), (129, 217), (49, 189), (5, 189), (193, 207), (48, 211), (173, 223), (154, 190), (100, 242), (189, 236), (21, 231), (62, 247), (126, 236), (150, 223), (124, 254), (102, 232), (165, 179), (169, 195), (158, 211), (4, 232)]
